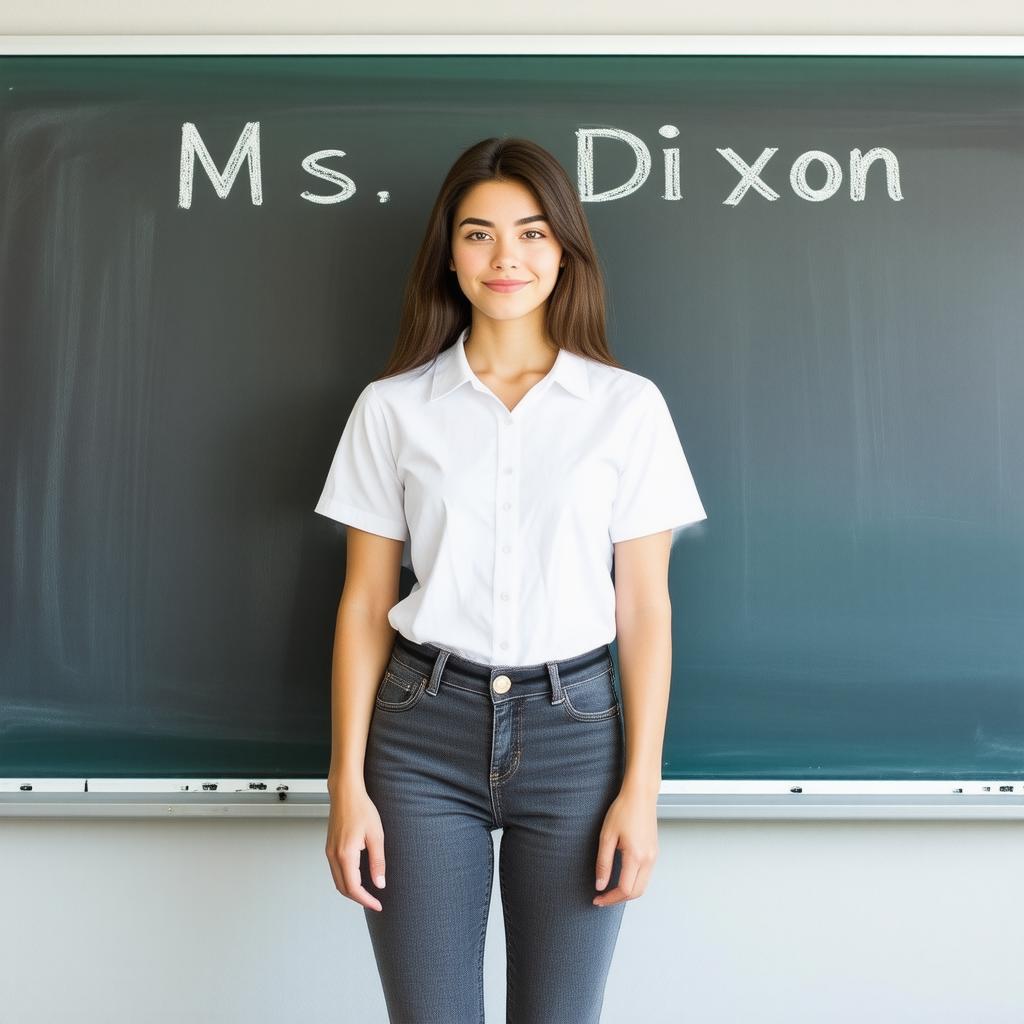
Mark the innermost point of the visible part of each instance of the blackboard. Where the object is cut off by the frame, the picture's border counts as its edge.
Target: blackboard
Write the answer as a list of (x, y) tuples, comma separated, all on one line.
[(844, 366)]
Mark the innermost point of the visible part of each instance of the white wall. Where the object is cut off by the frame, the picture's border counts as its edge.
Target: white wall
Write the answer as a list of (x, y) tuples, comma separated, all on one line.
[(238, 922), (216, 922)]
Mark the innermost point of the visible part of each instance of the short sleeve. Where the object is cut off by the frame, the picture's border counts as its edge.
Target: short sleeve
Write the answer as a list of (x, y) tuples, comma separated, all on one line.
[(656, 490), (362, 487)]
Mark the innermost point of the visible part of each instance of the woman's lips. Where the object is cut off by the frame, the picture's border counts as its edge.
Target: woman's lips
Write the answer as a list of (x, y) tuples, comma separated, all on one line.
[(506, 286)]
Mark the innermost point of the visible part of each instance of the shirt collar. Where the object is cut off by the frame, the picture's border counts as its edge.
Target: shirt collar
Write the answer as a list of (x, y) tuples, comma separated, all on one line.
[(451, 368)]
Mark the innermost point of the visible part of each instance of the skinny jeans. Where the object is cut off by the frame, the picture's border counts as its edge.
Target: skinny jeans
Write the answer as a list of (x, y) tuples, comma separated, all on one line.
[(456, 749)]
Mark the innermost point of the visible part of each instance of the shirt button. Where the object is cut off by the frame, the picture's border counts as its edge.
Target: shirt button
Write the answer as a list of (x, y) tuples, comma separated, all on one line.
[(508, 469), (504, 645), (507, 504), (504, 595), (505, 548), (502, 684)]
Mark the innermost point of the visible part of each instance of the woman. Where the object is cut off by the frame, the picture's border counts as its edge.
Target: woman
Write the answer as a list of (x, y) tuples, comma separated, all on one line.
[(517, 458)]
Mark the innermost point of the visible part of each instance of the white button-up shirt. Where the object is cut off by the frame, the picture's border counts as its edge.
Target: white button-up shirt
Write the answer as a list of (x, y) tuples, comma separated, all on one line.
[(509, 518)]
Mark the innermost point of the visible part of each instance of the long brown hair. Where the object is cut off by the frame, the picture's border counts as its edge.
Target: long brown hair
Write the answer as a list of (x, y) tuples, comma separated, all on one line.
[(434, 309)]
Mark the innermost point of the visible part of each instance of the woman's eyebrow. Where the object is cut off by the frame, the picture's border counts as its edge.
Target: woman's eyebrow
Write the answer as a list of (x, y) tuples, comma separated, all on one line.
[(490, 223)]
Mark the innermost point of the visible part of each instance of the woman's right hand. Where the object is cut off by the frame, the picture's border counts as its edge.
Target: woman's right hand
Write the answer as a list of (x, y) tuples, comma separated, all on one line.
[(354, 825)]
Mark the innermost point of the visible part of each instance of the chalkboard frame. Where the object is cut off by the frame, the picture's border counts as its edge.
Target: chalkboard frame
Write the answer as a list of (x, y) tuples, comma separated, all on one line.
[(702, 798)]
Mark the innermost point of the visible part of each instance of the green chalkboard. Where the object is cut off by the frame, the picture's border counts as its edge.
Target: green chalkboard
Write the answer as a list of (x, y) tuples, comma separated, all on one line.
[(844, 363)]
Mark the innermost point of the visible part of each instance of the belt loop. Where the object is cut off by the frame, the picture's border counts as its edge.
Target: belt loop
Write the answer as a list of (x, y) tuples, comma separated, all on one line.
[(435, 676), (556, 683)]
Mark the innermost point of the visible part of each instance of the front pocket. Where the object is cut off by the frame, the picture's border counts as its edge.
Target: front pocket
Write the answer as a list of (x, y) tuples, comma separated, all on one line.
[(592, 700), (400, 689)]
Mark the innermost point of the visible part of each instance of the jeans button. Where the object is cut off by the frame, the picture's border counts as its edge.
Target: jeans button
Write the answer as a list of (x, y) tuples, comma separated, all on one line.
[(501, 684)]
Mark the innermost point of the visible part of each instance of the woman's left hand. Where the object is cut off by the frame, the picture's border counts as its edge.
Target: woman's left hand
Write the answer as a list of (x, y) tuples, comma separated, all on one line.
[(630, 825)]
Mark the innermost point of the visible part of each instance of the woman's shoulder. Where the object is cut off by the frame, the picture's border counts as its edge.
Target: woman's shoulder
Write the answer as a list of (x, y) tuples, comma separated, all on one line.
[(617, 384), (402, 389)]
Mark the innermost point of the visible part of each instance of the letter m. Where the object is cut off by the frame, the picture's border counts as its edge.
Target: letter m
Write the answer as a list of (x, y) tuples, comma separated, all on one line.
[(247, 147)]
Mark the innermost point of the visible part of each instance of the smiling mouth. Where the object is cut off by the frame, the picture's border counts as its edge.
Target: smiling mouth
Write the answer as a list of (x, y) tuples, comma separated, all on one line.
[(506, 286)]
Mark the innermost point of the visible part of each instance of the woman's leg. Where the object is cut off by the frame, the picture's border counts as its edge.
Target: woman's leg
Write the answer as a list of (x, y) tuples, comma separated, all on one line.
[(425, 752)]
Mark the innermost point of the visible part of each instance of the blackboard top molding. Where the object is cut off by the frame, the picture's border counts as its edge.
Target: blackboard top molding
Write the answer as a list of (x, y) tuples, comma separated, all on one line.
[(411, 45)]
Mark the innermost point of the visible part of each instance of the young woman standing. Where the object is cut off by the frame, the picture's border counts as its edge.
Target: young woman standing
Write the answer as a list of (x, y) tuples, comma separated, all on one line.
[(522, 464)]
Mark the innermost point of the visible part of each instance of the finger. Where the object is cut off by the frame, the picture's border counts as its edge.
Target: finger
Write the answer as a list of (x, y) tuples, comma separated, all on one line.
[(605, 859), (623, 891), (354, 882), (375, 858), (631, 865), (339, 881), (627, 880), (610, 898)]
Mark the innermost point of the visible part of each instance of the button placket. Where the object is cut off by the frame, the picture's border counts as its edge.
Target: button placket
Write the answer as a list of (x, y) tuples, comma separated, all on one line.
[(506, 522)]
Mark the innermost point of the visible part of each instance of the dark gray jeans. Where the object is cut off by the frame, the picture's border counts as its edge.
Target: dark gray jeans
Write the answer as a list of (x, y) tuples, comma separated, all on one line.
[(454, 753)]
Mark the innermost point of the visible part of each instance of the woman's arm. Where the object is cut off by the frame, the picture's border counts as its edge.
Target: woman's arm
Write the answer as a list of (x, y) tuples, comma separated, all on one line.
[(363, 639), (643, 625), (643, 620)]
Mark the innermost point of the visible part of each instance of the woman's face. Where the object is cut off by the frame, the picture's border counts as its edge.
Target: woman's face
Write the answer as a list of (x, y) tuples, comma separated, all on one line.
[(489, 245)]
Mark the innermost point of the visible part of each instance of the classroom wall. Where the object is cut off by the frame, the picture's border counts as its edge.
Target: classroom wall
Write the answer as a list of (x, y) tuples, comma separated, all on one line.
[(237, 922), (195, 921)]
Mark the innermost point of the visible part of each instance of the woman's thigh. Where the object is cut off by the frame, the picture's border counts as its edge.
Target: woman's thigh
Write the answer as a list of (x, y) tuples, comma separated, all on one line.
[(423, 773)]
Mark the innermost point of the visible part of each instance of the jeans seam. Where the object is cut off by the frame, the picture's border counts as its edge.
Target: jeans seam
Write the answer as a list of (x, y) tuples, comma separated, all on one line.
[(586, 679), (483, 929), (403, 705), (589, 716), (517, 748), (399, 681), (495, 790), (412, 668), (509, 938)]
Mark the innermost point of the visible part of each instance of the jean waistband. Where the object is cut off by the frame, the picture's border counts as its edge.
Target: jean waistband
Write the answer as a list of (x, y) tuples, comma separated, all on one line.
[(441, 664)]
